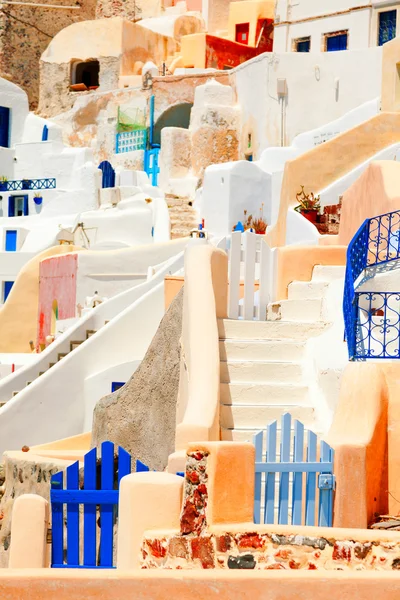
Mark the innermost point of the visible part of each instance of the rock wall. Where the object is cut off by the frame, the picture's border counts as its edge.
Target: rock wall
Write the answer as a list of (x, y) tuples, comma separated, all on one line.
[(25, 32), (141, 416)]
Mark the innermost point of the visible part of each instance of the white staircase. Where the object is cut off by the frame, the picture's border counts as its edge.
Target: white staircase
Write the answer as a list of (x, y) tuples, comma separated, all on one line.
[(263, 363)]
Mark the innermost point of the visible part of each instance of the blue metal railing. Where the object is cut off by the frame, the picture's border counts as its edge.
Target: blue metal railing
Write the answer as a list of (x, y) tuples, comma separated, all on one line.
[(28, 184), (376, 242)]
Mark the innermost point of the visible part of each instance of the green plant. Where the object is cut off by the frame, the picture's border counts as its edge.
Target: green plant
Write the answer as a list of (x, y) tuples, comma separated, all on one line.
[(3, 179), (307, 201), (38, 195)]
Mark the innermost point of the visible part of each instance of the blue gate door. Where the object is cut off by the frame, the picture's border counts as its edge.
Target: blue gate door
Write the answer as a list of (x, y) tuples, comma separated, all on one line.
[(108, 180), (4, 126), (11, 240), (151, 164)]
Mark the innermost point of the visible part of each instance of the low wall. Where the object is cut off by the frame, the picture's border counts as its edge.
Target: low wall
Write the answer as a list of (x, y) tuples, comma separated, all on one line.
[(108, 584)]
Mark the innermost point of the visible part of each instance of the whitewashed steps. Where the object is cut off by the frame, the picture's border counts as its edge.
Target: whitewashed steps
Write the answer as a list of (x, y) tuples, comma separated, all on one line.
[(258, 371), (327, 273), (268, 330), (261, 350), (307, 290), (263, 393), (245, 434), (256, 416), (305, 310)]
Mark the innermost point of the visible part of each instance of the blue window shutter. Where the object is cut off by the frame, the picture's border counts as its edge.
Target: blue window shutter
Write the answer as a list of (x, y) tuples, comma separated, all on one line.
[(387, 26), (11, 206), (303, 46), (336, 42), (26, 206), (45, 134), (7, 289), (11, 240)]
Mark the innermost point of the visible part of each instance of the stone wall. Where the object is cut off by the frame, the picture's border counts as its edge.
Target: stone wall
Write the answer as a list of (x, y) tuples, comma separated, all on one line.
[(25, 32)]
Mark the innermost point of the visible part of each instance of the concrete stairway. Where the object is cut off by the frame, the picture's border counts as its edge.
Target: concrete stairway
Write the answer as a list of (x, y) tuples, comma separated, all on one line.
[(263, 371), (72, 346)]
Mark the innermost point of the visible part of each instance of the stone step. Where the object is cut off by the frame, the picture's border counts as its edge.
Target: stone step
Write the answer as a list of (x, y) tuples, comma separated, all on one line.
[(15, 393), (89, 333), (305, 311), (261, 350), (263, 393), (51, 365), (268, 330), (259, 416), (61, 355), (245, 434), (307, 290), (328, 272), (260, 371), (74, 345)]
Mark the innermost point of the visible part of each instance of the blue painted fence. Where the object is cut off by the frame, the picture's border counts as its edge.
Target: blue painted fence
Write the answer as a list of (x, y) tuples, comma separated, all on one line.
[(130, 141), (305, 477), (99, 495), (28, 184), (372, 322)]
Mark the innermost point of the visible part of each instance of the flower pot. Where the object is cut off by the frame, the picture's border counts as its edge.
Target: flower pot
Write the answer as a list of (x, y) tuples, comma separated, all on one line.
[(38, 200), (310, 215), (26, 184), (3, 186)]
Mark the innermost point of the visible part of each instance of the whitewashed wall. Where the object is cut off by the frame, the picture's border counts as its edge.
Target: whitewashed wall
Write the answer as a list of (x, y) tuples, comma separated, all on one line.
[(14, 97), (312, 100)]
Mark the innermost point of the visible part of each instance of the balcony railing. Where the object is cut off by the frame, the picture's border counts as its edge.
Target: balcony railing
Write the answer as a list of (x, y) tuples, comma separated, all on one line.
[(16, 185)]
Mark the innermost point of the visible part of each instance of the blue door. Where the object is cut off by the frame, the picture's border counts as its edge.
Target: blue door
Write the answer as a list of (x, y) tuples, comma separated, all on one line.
[(7, 289), (108, 180), (11, 240), (336, 42), (151, 164), (18, 206), (4, 126), (387, 26)]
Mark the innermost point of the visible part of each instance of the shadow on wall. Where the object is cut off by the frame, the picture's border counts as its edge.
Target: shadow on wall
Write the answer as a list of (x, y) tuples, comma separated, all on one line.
[(174, 116), (141, 416)]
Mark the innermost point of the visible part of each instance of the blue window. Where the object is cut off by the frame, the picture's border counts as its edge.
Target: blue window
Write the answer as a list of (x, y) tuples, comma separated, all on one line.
[(7, 289), (4, 126), (116, 385), (387, 26), (336, 42), (11, 240), (303, 45), (18, 206)]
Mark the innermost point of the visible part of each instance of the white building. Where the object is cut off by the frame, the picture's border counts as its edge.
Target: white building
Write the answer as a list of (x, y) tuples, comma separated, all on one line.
[(314, 26)]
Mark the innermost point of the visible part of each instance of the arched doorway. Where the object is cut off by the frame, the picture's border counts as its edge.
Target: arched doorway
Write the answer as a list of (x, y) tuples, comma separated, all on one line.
[(54, 317), (108, 179), (175, 116)]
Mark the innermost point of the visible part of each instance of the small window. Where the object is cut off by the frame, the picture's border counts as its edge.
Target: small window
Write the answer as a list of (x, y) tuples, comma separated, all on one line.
[(242, 33), (302, 44), (336, 41), (86, 73), (116, 385), (11, 240), (7, 285), (387, 26)]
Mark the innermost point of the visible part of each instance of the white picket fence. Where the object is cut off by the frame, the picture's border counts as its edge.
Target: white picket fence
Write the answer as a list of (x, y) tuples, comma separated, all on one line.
[(250, 262)]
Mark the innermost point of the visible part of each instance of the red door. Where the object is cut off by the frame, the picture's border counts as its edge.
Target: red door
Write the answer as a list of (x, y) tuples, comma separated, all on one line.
[(242, 33)]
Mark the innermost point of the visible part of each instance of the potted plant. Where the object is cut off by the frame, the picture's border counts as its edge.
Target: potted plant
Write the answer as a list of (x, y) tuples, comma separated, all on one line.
[(258, 224), (309, 205), (38, 199), (26, 184), (3, 184)]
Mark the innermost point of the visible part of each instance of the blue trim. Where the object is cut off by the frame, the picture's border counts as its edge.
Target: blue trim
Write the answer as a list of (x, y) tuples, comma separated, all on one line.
[(11, 240), (45, 133), (30, 184), (4, 127), (335, 43), (387, 26), (7, 289), (116, 385)]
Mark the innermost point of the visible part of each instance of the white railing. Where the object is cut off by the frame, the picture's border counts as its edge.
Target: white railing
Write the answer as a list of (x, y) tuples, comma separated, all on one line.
[(250, 262)]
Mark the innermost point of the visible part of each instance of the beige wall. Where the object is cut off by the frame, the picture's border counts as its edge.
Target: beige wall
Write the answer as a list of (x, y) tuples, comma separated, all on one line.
[(16, 333), (391, 75), (376, 192), (324, 164)]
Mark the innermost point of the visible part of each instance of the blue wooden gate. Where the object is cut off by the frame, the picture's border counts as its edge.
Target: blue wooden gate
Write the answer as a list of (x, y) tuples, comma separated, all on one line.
[(151, 164), (108, 179), (304, 467), (100, 489)]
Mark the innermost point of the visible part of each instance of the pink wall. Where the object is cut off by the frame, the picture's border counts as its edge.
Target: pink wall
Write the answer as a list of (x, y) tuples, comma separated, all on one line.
[(57, 281), (194, 5)]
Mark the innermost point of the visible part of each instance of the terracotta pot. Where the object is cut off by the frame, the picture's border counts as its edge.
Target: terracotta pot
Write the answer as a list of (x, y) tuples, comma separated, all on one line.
[(310, 215)]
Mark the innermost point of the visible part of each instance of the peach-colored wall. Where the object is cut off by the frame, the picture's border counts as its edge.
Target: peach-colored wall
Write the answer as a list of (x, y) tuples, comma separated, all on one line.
[(296, 263), (327, 162), (390, 99), (109, 584), (376, 192)]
